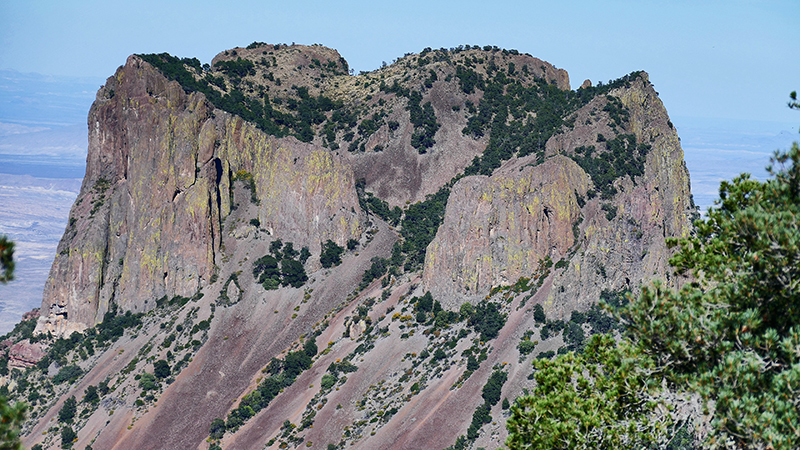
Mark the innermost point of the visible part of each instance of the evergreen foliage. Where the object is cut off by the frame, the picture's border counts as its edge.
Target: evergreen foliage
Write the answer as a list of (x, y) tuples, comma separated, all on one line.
[(304, 110), (293, 273), (487, 319), (375, 205), (91, 396), (622, 156), (68, 436), (161, 369), (491, 395), (6, 259), (598, 399), (282, 375), (424, 120), (421, 115), (331, 254), (11, 419), (283, 268), (733, 336), (67, 412), (504, 109), (375, 271), (538, 313), (67, 373), (419, 227)]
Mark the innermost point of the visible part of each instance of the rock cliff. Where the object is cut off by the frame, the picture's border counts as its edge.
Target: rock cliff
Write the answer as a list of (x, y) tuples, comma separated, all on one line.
[(160, 166), (500, 228), (525, 216)]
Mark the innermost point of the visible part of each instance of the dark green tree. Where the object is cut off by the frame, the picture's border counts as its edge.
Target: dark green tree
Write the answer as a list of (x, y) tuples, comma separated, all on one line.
[(289, 251), (472, 363), (331, 254), (161, 369), (68, 436), (267, 272), (217, 429), (68, 410), (601, 399), (275, 248), (733, 335), (90, 396), (538, 313), (304, 255), (293, 273), (295, 363), (6, 260), (310, 347), (11, 419)]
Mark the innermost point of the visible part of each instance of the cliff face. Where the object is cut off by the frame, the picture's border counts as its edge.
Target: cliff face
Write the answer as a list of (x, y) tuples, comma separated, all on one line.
[(158, 182), (500, 228), (474, 174)]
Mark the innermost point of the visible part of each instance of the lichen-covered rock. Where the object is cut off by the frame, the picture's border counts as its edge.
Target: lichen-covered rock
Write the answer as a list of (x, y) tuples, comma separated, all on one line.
[(629, 249), (499, 228), (179, 194), (160, 168)]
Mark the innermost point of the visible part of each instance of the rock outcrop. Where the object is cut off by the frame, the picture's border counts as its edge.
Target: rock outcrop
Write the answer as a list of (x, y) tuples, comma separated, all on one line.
[(25, 354), (500, 228), (160, 167)]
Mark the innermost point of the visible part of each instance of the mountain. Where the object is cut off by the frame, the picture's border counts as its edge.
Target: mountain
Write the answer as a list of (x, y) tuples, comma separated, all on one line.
[(269, 251)]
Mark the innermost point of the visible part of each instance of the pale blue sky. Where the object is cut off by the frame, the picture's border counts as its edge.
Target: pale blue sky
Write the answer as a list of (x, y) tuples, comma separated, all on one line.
[(718, 59)]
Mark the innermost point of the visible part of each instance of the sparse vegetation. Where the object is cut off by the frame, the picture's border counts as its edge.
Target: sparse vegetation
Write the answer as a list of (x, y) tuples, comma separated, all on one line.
[(331, 254), (622, 156), (284, 267)]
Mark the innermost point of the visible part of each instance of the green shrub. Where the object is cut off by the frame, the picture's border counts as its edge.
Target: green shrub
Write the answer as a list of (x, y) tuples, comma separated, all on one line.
[(538, 313), (487, 319), (161, 369), (525, 347), (67, 373), (328, 381), (493, 386), (148, 382), (331, 254), (90, 396), (68, 435), (293, 273)]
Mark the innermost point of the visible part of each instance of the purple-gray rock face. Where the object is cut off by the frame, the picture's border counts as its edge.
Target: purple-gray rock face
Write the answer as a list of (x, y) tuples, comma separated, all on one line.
[(158, 181), (522, 219), (500, 228)]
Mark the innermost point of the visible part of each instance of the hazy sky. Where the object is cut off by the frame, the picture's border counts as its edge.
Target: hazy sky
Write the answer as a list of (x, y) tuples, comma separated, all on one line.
[(721, 59)]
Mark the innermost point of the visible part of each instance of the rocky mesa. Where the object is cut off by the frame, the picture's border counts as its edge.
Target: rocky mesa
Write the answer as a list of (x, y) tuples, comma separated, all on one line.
[(269, 251)]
